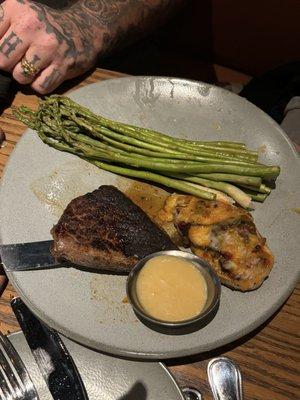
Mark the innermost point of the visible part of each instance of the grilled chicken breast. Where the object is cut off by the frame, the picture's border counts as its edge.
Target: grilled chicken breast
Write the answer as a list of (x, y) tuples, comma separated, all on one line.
[(225, 235), (105, 230)]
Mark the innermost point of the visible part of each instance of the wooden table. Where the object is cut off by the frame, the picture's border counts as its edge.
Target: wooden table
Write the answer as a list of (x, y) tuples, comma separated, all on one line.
[(268, 357)]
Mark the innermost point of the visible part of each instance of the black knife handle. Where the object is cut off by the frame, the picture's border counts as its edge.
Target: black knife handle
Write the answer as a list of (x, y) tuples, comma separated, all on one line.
[(62, 378)]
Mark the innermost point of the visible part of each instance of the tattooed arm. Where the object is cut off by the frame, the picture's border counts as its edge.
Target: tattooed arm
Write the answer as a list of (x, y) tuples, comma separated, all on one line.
[(61, 44)]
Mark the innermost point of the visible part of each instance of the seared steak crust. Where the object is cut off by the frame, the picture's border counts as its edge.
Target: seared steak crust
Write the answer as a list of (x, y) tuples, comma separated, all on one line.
[(105, 230)]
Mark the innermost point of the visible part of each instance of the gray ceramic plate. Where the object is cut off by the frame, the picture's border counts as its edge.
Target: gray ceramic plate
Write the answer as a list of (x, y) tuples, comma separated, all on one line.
[(106, 377), (89, 308)]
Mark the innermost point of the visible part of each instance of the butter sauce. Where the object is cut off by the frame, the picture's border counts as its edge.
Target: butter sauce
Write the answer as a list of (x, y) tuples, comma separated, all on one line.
[(171, 289)]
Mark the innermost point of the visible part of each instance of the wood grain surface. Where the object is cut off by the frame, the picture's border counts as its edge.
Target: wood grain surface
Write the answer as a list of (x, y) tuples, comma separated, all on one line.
[(268, 357)]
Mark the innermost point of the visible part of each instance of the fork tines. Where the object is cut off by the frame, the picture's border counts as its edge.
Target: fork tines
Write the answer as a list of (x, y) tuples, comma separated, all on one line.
[(15, 382)]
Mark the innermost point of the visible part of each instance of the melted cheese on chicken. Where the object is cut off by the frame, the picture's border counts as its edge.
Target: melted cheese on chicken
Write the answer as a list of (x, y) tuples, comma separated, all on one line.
[(223, 234)]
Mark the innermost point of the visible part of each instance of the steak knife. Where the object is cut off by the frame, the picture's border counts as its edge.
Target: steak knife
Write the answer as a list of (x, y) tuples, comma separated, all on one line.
[(52, 357), (29, 256)]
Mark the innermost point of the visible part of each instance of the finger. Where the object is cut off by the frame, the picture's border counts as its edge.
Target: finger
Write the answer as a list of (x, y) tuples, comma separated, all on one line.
[(37, 58), (49, 79), (4, 20), (12, 48)]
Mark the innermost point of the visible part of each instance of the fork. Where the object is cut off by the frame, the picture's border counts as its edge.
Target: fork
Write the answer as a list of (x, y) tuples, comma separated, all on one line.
[(15, 382)]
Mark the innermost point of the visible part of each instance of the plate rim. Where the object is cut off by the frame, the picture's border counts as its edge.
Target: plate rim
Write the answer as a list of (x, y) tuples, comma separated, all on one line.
[(151, 355), (162, 365), (108, 349)]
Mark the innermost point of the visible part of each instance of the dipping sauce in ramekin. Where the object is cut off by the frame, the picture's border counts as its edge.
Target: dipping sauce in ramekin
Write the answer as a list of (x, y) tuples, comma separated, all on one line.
[(171, 288)]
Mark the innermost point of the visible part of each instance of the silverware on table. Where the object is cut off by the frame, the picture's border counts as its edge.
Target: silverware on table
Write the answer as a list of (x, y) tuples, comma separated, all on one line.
[(52, 357), (15, 382), (191, 394), (225, 379), (28, 256)]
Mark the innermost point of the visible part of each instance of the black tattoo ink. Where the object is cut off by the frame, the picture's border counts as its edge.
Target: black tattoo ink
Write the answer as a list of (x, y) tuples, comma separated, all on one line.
[(9, 44), (50, 79), (35, 59), (88, 27), (1, 13)]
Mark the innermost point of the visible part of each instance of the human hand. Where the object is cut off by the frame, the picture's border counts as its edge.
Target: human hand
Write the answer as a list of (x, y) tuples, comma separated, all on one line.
[(58, 44)]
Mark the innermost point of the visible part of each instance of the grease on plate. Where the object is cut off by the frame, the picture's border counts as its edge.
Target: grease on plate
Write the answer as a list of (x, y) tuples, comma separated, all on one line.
[(262, 149), (296, 210), (110, 291), (76, 178), (63, 184), (148, 197)]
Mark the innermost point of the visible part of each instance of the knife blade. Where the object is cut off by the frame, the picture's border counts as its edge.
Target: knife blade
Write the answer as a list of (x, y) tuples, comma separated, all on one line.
[(28, 256), (52, 357)]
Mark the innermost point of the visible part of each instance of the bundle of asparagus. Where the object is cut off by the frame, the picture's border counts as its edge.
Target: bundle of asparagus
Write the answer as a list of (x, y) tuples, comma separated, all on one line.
[(204, 169)]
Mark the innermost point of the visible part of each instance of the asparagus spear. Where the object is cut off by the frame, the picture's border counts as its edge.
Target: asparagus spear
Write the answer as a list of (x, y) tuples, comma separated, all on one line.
[(67, 126), (104, 134), (261, 188), (251, 181), (137, 141), (146, 134), (59, 131), (142, 140), (183, 167), (117, 126), (163, 180), (261, 197), (237, 194), (56, 99), (233, 145), (149, 176)]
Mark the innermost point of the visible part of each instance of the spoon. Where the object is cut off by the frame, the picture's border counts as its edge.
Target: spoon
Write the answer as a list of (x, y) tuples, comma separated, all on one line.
[(225, 379), (191, 394)]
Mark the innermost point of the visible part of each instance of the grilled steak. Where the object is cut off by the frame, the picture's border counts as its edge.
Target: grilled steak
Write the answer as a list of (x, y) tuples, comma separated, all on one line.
[(105, 230), (225, 235)]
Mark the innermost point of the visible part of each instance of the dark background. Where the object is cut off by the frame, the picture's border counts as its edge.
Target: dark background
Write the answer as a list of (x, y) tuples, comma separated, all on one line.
[(250, 36)]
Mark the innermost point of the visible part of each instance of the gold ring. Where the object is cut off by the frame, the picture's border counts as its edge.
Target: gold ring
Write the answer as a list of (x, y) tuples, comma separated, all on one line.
[(29, 69)]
